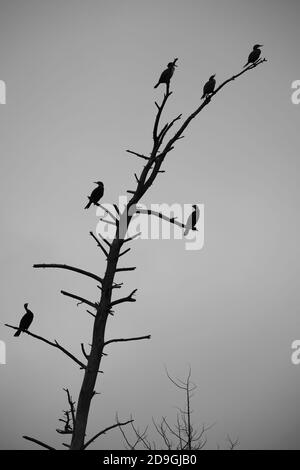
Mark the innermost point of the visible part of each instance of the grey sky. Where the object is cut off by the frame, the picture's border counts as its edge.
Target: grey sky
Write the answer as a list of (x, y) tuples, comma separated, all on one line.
[(80, 79)]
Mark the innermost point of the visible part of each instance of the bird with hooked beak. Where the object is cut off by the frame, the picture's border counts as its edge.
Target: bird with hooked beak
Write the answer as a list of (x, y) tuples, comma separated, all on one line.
[(167, 74), (25, 322), (96, 194), (209, 87), (254, 55)]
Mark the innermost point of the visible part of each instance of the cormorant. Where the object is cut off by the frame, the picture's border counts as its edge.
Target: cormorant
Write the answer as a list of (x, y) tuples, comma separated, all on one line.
[(25, 322), (209, 87), (167, 74), (254, 55), (192, 220), (96, 194)]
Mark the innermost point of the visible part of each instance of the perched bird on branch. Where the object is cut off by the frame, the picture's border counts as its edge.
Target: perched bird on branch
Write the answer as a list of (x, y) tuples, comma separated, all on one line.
[(254, 55), (96, 194), (167, 74), (209, 87), (25, 322), (192, 220)]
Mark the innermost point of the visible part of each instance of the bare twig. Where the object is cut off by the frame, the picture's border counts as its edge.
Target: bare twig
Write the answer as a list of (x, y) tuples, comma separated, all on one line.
[(232, 443), (133, 237), (108, 221), (100, 244), (160, 216), (124, 252), (109, 212), (69, 268), (117, 209), (80, 299), (118, 340), (83, 351), (138, 155), (104, 431), (131, 268), (129, 298), (40, 443), (71, 404)]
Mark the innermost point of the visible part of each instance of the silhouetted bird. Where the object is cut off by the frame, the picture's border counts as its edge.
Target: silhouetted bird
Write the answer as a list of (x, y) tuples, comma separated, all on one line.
[(25, 322), (96, 195), (167, 74), (254, 55), (209, 87), (192, 220)]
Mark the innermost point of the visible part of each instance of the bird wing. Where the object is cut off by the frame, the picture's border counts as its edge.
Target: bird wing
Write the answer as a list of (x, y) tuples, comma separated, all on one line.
[(195, 216), (165, 76), (26, 321), (205, 88), (97, 193), (254, 55), (208, 87)]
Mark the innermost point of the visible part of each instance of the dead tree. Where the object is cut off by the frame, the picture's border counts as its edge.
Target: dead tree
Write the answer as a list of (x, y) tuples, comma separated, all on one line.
[(181, 435), (163, 143)]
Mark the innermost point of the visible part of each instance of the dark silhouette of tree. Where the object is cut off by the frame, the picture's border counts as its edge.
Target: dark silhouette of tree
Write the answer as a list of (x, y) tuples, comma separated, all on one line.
[(181, 435), (101, 309)]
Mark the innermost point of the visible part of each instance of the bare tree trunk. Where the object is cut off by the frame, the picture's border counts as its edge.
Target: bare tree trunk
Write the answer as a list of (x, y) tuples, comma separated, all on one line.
[(93, 365)]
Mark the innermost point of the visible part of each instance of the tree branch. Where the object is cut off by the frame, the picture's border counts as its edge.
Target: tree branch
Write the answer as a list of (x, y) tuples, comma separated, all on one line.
[(69, 268), (131, 268), (83, 351), (160, 216), (100, 244), (71, 404), (110, 213), (80, 299), (40, 443), (158, 159), (129, 298), (205, 103), (133, 237), (104, 431), (118, 340), (55, 344), (124, 252), (168, 127), (158, 115), (108, 222), (138, 155)]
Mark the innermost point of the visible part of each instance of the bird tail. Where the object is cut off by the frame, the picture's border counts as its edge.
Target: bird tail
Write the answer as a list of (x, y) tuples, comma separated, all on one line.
[(17, 333), (88, 204), (246, 65), (156, 85), (203, 96)]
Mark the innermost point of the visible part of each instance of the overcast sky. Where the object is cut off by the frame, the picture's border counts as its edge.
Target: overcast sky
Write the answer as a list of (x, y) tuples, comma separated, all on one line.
[(80, 79)]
